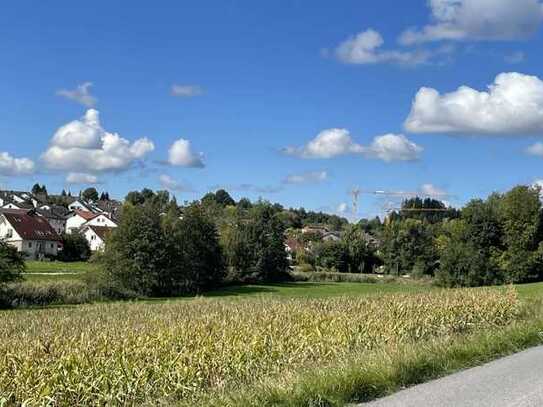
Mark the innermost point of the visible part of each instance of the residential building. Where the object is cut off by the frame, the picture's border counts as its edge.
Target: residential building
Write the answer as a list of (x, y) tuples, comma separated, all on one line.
[(96, 236), (30, 233)]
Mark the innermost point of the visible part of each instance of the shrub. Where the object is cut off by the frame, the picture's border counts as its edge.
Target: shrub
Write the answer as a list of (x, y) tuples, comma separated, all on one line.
[(11, 263)]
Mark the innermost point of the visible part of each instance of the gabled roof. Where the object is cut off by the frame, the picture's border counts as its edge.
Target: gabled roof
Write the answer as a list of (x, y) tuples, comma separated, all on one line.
[(86, 215), (101, 231), (30, 226)]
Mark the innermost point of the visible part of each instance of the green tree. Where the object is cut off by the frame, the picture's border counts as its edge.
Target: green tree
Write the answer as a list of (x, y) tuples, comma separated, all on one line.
[(195, 261), (361, 253), (12, 264), (136, 252), (520, 218), (74, 247), (406, 244), (332, 256), (255, 245), (90, 194)]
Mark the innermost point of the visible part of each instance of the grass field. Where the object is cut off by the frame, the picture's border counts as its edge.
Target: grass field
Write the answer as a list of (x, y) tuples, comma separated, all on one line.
[(58, 267), (200, 350)]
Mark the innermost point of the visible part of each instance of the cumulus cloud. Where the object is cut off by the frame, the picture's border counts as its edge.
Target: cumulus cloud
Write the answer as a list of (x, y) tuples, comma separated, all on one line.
[(84, 146), (81, 178), (311, 177), (181, 154), (512, 105), (337, 142), (478, 20), (365, 48), (186, 90), (393, 147), (81, 94), (328, 144), (11, 166), (171, 184)]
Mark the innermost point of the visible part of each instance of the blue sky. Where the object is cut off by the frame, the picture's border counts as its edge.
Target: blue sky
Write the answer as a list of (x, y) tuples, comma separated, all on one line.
[(252, 85)]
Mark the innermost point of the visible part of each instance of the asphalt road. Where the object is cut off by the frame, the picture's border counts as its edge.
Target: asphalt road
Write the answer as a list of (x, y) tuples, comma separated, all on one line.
[(514, 381)]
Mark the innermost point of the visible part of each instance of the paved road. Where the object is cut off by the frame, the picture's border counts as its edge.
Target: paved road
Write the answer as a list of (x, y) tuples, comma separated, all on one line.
[(514, 381)]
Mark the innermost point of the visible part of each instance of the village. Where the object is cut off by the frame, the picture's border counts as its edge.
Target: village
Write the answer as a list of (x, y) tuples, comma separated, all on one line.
[(34, 223)]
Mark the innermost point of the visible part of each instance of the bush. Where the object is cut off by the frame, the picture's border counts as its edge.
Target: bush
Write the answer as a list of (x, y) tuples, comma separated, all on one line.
[(75, 248), (11, 263)]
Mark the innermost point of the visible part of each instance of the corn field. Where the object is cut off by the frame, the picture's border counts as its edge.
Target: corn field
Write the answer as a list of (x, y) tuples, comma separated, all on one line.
[(136, 353)]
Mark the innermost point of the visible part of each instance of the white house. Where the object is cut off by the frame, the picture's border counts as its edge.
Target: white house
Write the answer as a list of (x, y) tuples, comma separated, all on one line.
[(83, 218), (77, 219), (30, 233), (96, 236)]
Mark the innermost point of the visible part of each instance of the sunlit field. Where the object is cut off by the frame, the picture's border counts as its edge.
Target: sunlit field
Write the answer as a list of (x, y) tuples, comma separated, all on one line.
[(181, 351)]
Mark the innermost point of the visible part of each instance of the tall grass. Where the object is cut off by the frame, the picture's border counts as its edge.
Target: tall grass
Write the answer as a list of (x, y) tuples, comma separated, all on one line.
[(123, 353)]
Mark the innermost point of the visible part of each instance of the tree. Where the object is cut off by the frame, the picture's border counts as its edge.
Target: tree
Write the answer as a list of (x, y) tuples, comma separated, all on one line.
[(195, 261), (74, 248), (360, 251), (464, 262), (12, 264), (408, 246), (255, 245), (332, 256), (90, 194), (136, 252), (38, 189)]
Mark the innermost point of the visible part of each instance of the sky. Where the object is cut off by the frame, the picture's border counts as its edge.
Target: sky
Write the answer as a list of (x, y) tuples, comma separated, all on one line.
[(297, 102)]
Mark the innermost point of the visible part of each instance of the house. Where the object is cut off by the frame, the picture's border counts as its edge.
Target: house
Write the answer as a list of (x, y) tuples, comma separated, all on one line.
[(96, 236), (78, 219), (30, 233)]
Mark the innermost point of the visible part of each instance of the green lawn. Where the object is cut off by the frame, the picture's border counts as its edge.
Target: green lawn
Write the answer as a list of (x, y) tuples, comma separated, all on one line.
[(315, 289), (58, 267)]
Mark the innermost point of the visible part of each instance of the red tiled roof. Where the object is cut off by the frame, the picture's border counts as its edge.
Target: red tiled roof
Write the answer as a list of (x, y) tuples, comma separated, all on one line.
[(30, 227), (86, 215)]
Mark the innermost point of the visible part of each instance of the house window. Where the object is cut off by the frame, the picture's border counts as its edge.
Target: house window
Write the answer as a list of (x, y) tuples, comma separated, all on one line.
[(29, 244), (52, 245), (9, 233)]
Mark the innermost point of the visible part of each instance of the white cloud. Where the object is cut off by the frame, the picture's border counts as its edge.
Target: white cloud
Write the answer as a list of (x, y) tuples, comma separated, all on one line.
[(337, 142), (181, 154), (306, 178), (365, 48), (512, 105), (495, 20), (80, 94), (81, 178), (187, 90), (171, 184), (393, 147), (84, 146), (328, 144), (12, 166)]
